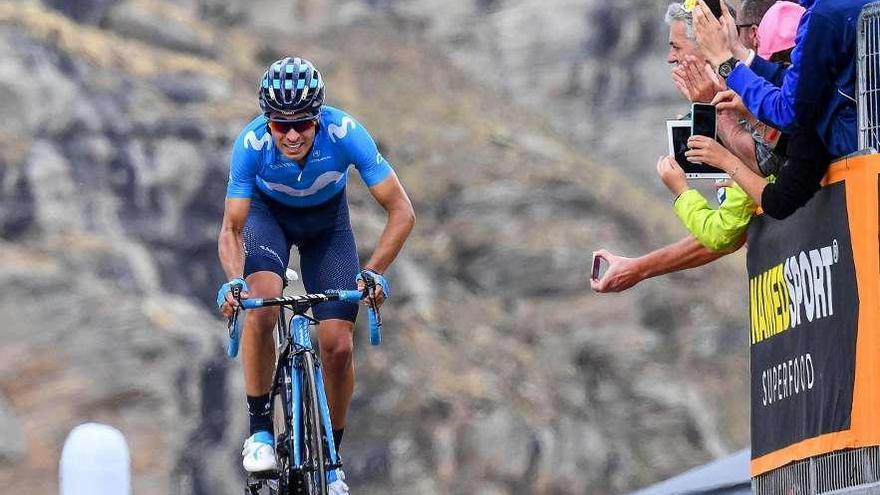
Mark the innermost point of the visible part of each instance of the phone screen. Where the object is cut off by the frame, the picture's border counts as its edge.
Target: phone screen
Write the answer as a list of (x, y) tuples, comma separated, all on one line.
[(703, 120), (599, 267), (679, 132)]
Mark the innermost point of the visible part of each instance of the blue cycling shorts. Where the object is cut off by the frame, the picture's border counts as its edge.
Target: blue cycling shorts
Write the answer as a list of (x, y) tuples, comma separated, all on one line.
[(324, 239)]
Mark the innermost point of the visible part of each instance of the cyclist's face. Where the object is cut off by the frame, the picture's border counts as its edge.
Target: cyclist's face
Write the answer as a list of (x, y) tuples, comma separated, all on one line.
[(294, 139)]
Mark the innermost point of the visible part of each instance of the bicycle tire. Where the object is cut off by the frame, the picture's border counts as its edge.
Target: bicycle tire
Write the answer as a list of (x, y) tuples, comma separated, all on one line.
[(283, 443), (313, 442)]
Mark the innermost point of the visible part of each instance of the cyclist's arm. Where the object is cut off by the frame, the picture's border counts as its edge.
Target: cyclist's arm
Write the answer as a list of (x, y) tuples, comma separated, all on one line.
[(230, 243), (401, 218), (386, 188), (240, 187)]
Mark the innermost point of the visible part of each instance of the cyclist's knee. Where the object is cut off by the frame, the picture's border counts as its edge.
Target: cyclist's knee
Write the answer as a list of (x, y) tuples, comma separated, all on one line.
[(263, 319), (264, 284), (336, 343)]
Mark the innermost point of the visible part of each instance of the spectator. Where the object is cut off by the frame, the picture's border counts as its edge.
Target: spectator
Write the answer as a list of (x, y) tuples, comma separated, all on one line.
[(816, 99), (818, 91), (625, 272), (777, 30), (748, 18), (720, 228), (715, 232)]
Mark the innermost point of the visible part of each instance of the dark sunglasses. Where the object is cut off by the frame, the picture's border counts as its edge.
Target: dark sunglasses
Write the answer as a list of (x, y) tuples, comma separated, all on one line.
[(744, 26), (283, 127)]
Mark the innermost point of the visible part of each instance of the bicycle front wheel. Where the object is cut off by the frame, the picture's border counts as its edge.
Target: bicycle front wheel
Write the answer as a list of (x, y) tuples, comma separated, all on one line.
[(283, 441), (314, 469)]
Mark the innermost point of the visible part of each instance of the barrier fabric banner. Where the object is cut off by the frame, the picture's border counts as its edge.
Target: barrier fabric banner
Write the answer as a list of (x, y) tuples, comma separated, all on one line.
[(804, 306)]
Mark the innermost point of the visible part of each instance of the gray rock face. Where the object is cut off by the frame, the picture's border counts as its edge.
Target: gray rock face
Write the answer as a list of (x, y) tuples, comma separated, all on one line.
[(161, 25), (12, 444), (84, 11), (499, 372)]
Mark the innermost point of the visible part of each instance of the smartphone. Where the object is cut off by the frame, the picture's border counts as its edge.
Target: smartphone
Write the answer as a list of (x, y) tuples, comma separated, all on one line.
[(703, 120), (600, 266), (714, 6)]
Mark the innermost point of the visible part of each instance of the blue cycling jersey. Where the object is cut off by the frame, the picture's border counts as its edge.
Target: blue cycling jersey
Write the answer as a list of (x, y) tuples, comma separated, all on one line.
[(340, 141)]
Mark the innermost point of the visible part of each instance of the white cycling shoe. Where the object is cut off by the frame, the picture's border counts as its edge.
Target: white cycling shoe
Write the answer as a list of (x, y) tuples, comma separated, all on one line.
[(336, 485), (259, 453)]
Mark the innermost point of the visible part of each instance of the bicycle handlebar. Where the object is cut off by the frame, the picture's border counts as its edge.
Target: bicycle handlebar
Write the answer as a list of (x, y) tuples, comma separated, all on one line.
[(305, 301), (300, 304)]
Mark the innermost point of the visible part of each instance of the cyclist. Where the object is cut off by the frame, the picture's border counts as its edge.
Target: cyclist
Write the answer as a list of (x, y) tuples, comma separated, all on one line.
[(287, 187)]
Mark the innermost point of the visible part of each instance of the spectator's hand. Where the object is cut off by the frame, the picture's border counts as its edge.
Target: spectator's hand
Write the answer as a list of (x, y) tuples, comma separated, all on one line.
[(672, 175), (622, 273), (711, 37), (719, 183), (706, 150), (730, 103), (731, 34), (696, 81)]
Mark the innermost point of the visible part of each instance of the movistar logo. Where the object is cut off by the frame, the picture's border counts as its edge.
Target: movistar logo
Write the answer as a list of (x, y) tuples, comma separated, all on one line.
[(251, 141), (795, 291), (320, 182), (340, 131)]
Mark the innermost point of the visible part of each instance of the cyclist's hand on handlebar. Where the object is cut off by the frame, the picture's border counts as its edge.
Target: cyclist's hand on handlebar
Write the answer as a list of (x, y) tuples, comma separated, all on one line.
[(226, 302), (382, 289)]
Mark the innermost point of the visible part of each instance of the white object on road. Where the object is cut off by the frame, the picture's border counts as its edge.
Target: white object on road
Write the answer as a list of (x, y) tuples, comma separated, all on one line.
[(95, 461)]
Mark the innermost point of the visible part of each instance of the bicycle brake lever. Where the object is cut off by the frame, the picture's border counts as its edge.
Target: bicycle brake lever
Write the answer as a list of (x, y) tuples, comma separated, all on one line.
[(232, 323)]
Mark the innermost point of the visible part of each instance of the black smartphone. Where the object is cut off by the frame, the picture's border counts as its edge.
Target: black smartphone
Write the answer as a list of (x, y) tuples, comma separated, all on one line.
[(715, 7), (703, 120), (600, 265)]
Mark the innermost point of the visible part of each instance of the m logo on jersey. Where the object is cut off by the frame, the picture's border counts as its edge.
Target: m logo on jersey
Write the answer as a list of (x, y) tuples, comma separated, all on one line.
[(251, 141), (340, 131)]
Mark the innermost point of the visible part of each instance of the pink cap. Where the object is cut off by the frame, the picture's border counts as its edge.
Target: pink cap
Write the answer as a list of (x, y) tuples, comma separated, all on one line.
[(778, 28)]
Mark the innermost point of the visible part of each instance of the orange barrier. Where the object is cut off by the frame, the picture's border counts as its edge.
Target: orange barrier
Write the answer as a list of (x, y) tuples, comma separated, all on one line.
[(816, 368)]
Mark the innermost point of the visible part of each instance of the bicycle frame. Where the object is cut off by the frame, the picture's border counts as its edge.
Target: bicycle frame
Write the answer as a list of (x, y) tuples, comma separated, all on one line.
[(297, 340)]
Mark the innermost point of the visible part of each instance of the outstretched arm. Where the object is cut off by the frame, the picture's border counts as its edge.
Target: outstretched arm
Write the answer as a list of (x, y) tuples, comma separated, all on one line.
[(624, 273), (401, 218)]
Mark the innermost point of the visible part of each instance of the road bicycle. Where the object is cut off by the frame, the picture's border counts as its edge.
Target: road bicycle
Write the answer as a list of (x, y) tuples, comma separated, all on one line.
[(304, 446)]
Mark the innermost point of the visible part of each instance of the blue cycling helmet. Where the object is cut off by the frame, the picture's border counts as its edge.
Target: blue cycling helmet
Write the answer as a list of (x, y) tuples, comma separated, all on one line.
[(291, 85)]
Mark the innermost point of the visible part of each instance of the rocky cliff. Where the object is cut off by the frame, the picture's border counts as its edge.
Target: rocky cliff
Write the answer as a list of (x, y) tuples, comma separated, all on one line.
[(500, 371)]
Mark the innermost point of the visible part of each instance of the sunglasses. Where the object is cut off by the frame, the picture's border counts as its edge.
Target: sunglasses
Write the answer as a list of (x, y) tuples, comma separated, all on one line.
[(283, 127)]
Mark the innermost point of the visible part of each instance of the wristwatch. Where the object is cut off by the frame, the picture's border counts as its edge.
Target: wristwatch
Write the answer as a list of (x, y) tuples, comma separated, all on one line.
[(726, 67)]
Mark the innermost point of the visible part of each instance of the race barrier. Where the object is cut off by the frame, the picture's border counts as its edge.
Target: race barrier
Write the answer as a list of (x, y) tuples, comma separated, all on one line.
[(814, 291)]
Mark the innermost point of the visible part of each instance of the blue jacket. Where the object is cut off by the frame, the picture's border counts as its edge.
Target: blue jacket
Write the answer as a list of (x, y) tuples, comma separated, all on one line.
[(818, 90)]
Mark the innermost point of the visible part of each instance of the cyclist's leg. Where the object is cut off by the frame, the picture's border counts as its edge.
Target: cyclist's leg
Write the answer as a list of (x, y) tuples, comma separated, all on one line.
[(330, 262), (267, 253), (258, 344), (266, 256)]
